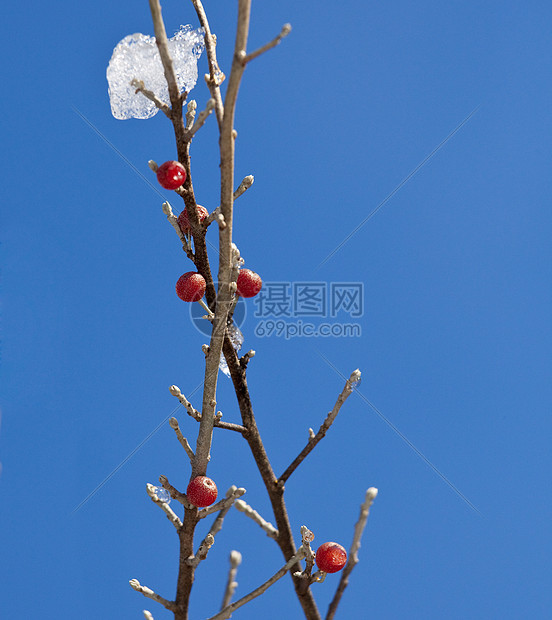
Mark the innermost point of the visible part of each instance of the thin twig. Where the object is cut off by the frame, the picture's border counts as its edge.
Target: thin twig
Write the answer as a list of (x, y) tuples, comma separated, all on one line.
[(215, 77), (255, 516), (141, 88), (242, 188), (286, 29), (347, 390), (307, 537), (203, 550), (147, 592), (352, 559), (183, 441), (190, 113), (175, 493), (244, 360), (229, 610), (231, 496), (163, 47), (173, 220), (171, 515), (231, 583), (201, 118), (192, 412)]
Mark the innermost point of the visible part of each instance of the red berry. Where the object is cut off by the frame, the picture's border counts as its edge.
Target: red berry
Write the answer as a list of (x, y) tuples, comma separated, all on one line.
[(331, 557), (184, 222), (202, 491), (171, 174), (190, 286), (249, 283)]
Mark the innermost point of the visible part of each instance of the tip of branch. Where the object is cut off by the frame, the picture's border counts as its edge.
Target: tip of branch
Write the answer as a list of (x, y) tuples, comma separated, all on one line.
[(173, 423), (286, 29), (134, 584), (167, 209), (235, 558), (175, 390), (371, 493), (153, 165)]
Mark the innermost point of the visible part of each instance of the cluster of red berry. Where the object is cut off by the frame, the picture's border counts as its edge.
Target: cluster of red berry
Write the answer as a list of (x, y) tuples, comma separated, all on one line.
[(191, 285)]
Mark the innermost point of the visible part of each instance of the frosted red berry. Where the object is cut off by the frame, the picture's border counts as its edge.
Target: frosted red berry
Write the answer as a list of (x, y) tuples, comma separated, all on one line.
[(249, 283), (331, 557), (184, 222), (202, 491), (191, 286), (171, 174)]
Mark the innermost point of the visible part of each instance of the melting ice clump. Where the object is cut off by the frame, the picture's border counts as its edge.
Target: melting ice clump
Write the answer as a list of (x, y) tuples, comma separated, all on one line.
[(236, 338), (137, 57)]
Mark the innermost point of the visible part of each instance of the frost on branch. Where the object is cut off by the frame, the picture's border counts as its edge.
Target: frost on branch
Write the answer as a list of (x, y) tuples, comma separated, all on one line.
[(136, 57)]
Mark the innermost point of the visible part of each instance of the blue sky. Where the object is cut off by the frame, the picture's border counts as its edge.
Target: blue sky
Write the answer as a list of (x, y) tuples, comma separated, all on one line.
[(455, 330)]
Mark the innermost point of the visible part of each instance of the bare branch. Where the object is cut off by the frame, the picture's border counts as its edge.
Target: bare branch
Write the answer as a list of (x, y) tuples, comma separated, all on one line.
[(286, 29), (135, 585), (163, 47), (229, 610), (225, 292), (192, 412), (216, 76), (171, 515), (253, 514), (230, 426), (352, 559), (307, 537), (141, 88), (183, 441), (231, 583), (175, 493), (347, 390)]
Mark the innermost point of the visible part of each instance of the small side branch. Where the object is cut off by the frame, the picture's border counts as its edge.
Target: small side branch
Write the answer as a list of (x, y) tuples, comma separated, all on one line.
[(242, 188), (183, 441), (352, 559), (171, 515), (201, 118), (175, 493), (253, 514), (231, 583), (147, 592), (192, 412), (286, 29), (203, 550), (231, 496), (173, 220), (229, 610), (347, 390), (141, 88)]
